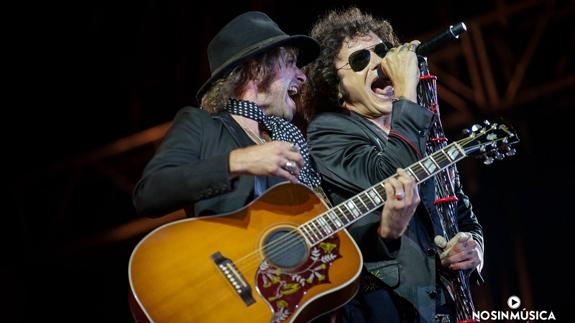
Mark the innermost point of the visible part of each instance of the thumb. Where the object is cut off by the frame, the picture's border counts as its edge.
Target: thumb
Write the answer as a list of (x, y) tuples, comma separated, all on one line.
[(440, 241), (459, 237), (463, 236)]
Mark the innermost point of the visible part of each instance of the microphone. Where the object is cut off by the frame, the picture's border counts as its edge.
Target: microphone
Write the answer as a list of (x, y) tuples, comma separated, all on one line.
[(451, 33)]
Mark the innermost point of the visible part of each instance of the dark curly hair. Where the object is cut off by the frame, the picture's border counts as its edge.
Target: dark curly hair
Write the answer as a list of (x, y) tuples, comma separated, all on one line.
[(320, 93)]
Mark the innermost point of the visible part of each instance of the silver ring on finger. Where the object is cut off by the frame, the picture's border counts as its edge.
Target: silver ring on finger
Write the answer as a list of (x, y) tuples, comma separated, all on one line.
[(290, 166), (399, 195)]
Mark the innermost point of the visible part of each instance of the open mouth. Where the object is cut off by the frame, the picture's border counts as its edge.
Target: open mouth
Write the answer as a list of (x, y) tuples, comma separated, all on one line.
[(292, 90), (382, 86)]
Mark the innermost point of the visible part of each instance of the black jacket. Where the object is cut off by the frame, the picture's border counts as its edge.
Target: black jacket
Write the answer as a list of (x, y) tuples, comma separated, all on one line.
[(353, 154), (190, 170)]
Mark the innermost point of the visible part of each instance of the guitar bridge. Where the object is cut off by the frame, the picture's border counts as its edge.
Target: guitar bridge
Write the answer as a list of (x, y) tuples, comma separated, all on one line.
[(234, 277)]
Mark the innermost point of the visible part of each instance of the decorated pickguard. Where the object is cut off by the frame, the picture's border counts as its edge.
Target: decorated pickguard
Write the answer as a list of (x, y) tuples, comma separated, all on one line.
[(283, 289)]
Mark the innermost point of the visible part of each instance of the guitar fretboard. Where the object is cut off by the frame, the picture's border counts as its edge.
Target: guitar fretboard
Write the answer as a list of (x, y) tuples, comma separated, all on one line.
[(351, 210)]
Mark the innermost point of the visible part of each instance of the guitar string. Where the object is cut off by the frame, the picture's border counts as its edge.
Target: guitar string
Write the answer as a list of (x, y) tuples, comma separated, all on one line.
[(287, 241), (279, 245), (246, 260), (294, 239)]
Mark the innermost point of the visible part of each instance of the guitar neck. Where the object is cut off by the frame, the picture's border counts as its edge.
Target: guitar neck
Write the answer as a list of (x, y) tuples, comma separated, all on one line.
[(354, 208)]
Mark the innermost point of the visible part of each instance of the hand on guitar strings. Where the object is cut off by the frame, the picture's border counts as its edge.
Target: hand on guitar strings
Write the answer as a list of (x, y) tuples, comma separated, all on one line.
[(462, 252), (274, 158), (402, 200)]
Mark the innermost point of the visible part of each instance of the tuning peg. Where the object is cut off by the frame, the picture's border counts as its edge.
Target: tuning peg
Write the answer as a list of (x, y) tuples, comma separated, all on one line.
[(488, 160), (499, 156), (486, 122), (511, 152), (476, 127), (467, 132), (507, 150)]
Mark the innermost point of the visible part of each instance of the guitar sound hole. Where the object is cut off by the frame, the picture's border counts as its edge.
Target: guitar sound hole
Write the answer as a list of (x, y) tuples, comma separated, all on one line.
[(285, 248)]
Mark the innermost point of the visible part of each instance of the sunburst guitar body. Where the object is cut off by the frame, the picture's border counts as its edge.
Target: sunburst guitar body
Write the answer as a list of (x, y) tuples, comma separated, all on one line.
[(254, 265)]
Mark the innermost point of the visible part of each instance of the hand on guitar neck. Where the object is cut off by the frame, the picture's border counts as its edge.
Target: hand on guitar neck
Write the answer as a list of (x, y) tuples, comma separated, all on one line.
[(402, 200)]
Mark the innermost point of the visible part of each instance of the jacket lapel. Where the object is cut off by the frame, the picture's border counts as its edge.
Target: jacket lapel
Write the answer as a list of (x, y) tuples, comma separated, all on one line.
[(377, 135)]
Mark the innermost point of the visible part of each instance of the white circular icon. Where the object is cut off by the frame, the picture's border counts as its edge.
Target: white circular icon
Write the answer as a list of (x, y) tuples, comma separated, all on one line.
[(513, 302)]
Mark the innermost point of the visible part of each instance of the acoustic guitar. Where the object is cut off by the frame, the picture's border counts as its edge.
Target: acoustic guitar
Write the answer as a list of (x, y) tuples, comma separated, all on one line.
[(285, 257)]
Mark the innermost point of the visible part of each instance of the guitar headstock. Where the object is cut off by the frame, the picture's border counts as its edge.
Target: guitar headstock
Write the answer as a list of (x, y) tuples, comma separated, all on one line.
[(489, 141)]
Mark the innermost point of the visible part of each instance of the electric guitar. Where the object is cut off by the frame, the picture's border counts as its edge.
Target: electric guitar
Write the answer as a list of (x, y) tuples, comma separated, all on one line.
[(285, 257)]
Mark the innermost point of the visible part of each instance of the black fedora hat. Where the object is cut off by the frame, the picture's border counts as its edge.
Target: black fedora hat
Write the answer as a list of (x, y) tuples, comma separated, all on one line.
[(244, 37)]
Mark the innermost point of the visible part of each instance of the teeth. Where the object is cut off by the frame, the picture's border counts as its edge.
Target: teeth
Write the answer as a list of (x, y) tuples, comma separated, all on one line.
[(292, 90)]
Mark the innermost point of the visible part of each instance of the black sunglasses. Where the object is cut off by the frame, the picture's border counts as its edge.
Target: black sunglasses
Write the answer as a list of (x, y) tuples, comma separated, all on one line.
[(359, 59)]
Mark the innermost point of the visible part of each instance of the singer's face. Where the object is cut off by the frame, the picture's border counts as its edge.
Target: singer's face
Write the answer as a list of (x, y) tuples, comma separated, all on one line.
[(366, 92)]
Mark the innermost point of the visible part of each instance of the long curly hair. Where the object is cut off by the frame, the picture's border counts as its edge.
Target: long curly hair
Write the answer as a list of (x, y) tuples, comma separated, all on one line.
[(321, 92)]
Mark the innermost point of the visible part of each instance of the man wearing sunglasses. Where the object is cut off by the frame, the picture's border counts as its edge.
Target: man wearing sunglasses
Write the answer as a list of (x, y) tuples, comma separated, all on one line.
[(366, 124)]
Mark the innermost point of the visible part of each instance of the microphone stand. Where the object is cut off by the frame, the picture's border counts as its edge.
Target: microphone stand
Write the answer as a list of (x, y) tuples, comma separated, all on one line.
[(446, 181)]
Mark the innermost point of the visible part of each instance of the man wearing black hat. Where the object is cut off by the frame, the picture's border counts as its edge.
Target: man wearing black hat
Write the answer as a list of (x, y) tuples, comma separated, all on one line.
[(201, 164)]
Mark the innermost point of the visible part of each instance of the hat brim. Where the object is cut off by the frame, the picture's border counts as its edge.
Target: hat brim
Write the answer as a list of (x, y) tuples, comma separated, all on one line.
[(309, 50)]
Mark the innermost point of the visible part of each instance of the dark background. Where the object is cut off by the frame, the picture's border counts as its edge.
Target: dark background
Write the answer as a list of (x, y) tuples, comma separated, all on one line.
[(87, 79)]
